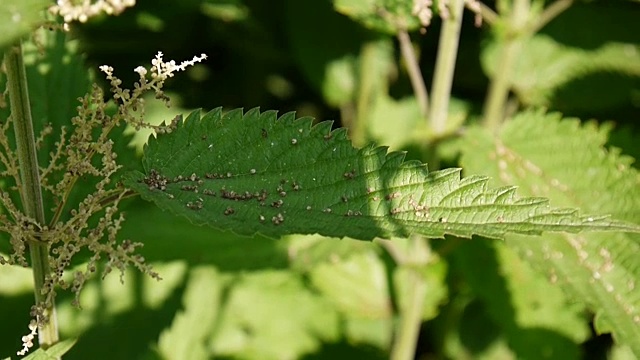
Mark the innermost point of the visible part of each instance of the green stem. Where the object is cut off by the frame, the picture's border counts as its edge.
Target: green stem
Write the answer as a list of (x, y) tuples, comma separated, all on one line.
[(488, 15), (445, 67), (373, 80), (410, 257), (413, 69), (551, 12), (494, 109), (404, 347), (30, 190)]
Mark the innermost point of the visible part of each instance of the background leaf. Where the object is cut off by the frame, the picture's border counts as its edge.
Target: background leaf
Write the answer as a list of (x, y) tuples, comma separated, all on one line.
[(535, 316), (586, 72), (187, 337), (358, 288), (547, 65), (18, 18), (247, 328), (54, 352), (548, 156), (386, 16)]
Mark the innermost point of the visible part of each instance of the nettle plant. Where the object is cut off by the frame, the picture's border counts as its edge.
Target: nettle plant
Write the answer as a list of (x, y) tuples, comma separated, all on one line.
[(65, 179)]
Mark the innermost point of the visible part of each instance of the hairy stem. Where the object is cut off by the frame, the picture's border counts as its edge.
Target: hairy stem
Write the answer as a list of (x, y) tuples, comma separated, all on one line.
[(494, 107), (30, 191), (445, 67), (413, 69)]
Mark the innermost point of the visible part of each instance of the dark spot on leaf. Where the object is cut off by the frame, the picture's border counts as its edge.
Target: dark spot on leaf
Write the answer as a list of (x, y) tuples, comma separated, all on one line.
[(155, 180), (278, 219), (193, 188), (393, 195), (195, 205), (350, 174)]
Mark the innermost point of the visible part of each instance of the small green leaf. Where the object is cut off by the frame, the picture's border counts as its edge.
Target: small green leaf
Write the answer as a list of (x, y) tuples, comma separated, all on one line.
[(386, 16), (547, 65), (255, 173), (19, 17), (272, 315), (227, 11), (358, 288), (54, 352), (187, 337)]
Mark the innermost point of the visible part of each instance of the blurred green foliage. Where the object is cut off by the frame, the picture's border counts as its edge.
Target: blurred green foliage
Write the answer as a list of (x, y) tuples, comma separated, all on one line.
[(308, 297)]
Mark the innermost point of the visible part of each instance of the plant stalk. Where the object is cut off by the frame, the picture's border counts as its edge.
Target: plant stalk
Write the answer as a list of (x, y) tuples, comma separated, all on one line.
[(516, 32), (373, 80), (410, 257), (445, 67), (551, 12), (410, 320), (413, 69), (30, 191)]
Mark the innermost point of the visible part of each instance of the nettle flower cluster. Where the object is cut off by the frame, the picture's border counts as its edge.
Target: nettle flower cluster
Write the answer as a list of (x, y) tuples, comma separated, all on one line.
[(84, 152), (82, 10), (423, 10)]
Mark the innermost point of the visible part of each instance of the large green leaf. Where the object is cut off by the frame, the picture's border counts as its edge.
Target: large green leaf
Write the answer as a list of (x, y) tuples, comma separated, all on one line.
[(255, 173), (547, 156)]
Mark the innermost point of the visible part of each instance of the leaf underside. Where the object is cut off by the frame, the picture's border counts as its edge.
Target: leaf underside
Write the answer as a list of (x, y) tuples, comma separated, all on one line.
[(256, 173)]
